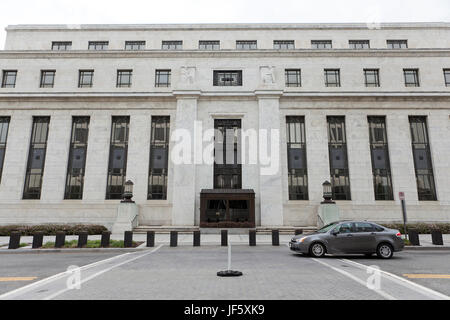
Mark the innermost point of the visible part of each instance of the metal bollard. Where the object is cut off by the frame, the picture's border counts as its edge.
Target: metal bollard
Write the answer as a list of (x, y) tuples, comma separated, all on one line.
[(413, 236), (298, 231), (38, 239), (60, 240), (196, 238), (128, 239), (224, 238), (173, 238), (150, 238), (252, 238), (14, 240), (106, 236), (436, 237), (82, 239), (275, 237)]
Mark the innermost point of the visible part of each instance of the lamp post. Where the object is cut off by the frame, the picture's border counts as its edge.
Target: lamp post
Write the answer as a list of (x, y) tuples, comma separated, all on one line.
[(128, 192), (327, 193)]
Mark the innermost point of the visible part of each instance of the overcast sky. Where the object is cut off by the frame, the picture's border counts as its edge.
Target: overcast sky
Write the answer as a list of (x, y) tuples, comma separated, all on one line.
[(223, 11)]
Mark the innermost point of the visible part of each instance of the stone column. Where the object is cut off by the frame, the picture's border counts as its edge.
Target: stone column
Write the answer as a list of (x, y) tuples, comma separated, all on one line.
[(15, 162), (56, 159), (270, 181), (184, 192), (97, 157)]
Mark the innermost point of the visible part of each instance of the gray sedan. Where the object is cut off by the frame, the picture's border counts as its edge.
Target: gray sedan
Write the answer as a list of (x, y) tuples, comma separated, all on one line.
[(349, 237)]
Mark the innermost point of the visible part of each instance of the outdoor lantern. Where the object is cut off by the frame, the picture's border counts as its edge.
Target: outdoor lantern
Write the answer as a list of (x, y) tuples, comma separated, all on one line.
[(327, 194), (128, 191)]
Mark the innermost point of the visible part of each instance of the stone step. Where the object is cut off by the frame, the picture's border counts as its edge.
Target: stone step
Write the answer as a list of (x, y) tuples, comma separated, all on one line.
[(191, 229)]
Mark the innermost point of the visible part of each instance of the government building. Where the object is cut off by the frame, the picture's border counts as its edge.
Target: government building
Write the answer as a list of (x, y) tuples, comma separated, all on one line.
[(224, 125)]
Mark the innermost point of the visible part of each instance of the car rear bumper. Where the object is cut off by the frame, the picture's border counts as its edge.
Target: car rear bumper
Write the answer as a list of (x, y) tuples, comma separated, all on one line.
[(399, 244)]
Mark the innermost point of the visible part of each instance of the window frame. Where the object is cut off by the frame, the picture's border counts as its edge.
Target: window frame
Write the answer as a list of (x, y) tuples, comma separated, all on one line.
[(232, 83), (298, 76), (447, 77), (120, 75), (321, 44), (248, 43), (359, 44), (139, 43), (172, 45), (81, 74), (98, 45), (209, 45), (61, 45), (44, 84), (375, 84), (284, 44), (415, 72), (337, 75), (397, 44), (158, 83), (5, 76)]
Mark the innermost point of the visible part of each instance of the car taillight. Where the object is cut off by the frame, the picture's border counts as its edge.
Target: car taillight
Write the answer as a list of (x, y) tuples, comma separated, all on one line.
[(399, 234)]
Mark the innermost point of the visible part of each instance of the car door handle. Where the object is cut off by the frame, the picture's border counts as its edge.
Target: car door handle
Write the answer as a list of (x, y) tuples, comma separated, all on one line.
[(349, 235), (373, 233)]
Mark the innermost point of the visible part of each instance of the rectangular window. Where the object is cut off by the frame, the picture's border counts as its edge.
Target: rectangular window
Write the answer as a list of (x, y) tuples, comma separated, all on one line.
[(134, 45), (422, 159), (159, 155), (77, 158), (397, 44), (85, 78), (283, 44), (9, 78), (227, 152), (124, 78), (372, 77), (359, 44), (332, 78), (172, 45), (118, 152), (321, 44), (246, 45), (47, 78), (411, 77), (4, 126), (227, 78), (162, 78), (293, 77), (447, 77), (296, 151), (36, 158), (337, 147), (209, 45), (381, 168), (61, 45), (98, 45)]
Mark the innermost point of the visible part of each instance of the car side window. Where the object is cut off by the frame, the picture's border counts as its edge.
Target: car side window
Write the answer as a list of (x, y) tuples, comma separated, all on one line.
[(377, 228), (364, 227), (345, 228)]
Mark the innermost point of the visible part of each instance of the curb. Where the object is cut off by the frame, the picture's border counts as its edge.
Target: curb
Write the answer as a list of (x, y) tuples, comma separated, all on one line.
[(422, 248), (73, 250)]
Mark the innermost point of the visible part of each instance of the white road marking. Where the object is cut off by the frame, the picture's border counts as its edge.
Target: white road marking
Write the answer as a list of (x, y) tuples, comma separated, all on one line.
[(21, 293), (349, 275)]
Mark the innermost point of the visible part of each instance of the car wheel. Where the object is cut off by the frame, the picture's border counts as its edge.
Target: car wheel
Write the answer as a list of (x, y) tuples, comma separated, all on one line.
[(317, 250), (385, 251)]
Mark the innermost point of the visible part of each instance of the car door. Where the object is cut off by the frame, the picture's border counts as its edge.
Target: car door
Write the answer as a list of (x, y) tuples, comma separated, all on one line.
[(342, 241), (364, 237)]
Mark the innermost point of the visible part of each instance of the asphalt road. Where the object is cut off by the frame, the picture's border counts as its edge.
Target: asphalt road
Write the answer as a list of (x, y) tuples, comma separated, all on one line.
[(190, 273)]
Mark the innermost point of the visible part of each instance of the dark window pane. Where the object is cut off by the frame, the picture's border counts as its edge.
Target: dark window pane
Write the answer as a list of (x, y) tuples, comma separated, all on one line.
[(209, 45), (124, 78), (162, 78), (293, 78), (86, 78), (359, 44), (98, 45), (372, 77), (296, 150), (172, 45), (134, 45), (447, 77), (321, 44), (246, 44), (159, 155), (397, 44), (227, 78), (283, 44), (9, 78), (47, 78), (4, 126), (332, 78), (411, 77), (61, 45)]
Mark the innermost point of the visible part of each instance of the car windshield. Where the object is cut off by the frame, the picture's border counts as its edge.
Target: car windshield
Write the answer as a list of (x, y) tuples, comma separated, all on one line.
[(327, 228)]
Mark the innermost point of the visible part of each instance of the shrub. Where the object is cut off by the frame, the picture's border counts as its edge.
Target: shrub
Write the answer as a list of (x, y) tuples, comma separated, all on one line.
[(51, 229), (421, 227)]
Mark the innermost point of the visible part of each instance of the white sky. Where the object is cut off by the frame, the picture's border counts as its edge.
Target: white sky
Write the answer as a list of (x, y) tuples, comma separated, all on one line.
[(214, 11)]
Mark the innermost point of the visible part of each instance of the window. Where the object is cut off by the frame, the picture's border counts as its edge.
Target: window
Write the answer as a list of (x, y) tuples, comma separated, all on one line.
[(227, 151), (372, 77), (124, 78), (47, 78), (118, 151), (332, 78), (162, 78), (134, 45), (364, 227), (209, 45), (36, 158), (345, 228), (159, 155), (411, 77), (246, 45), (77, 158), (172, 45), (422, 158), (98, 45), (4, 126), (381, 168), (9, 78), (296, 150), (321, 44), (447, 77), (397, 44), (293, 77), (283, 44), (337, 148), (227, 78), (85, 78), (359, 44), (61, 45)]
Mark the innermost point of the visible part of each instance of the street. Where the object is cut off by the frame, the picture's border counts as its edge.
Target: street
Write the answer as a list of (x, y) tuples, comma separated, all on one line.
[(187, 272)]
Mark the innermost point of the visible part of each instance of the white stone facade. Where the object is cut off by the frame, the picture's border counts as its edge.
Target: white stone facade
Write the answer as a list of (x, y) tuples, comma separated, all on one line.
[(262, 102)]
